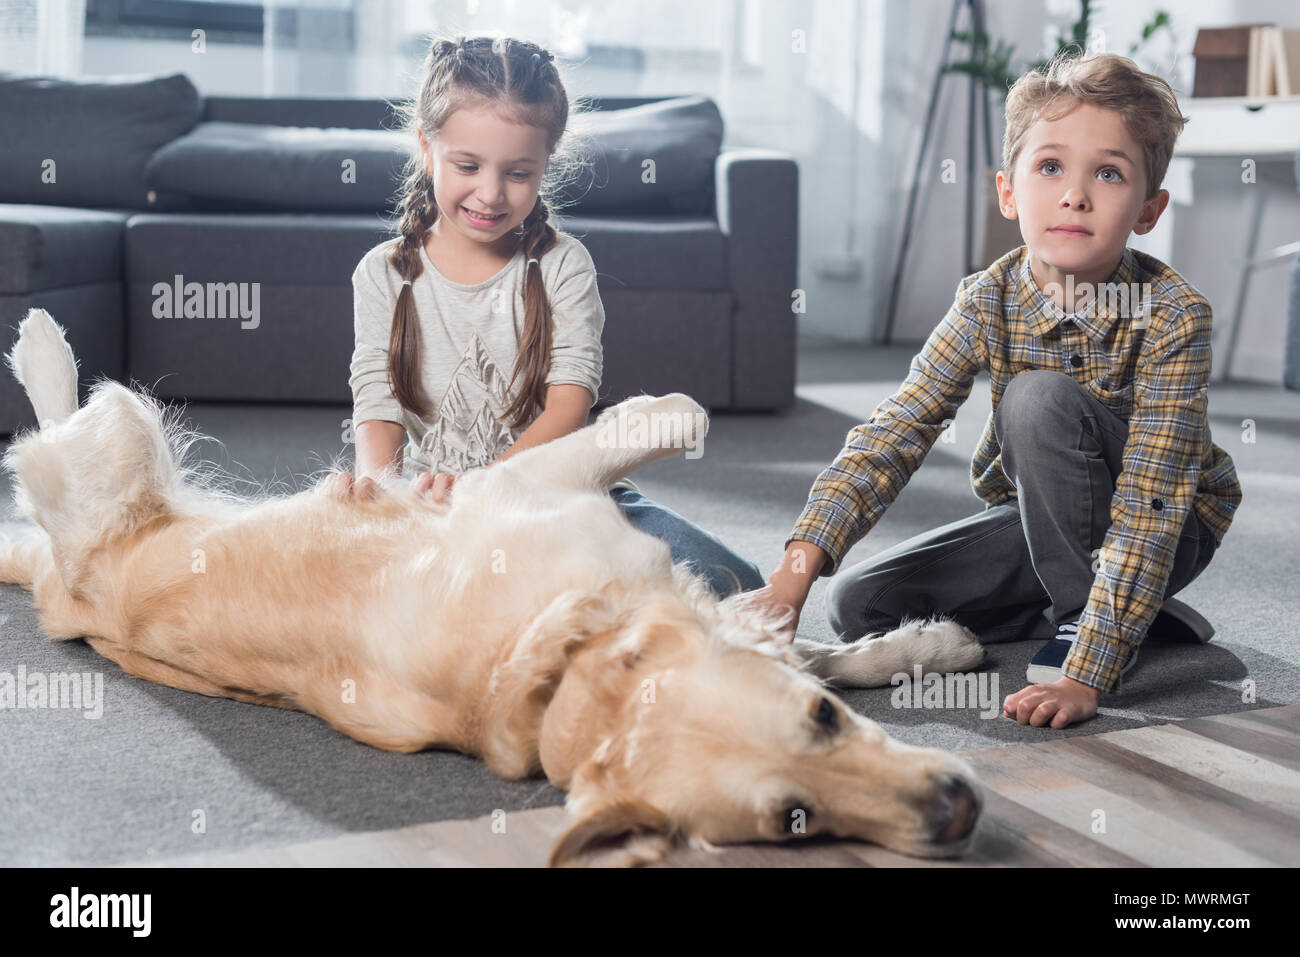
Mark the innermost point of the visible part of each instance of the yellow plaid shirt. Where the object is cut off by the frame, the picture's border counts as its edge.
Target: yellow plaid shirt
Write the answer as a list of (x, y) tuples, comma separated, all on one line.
[(1149, 366)]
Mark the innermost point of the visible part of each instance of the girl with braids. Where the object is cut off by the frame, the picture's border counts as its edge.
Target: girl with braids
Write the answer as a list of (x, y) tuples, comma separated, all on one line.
[(478, 326)]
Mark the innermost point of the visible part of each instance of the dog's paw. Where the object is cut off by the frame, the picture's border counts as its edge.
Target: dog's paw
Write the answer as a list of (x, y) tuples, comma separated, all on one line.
[(673, 421), (627, 405), (937, 645), (941, 644)]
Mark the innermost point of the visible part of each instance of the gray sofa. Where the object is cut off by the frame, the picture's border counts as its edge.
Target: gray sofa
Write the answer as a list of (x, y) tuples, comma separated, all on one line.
[(109, 188)]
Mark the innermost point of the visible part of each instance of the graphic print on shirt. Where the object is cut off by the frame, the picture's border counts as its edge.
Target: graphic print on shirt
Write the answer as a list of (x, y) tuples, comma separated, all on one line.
[(468, 431)]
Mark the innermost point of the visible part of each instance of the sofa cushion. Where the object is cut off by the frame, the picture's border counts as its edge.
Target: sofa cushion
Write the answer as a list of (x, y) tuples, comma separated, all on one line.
[(292, 249), (653, 252), (682, 136), (50, 247), (271, 316), (86, 143), (249, 167)]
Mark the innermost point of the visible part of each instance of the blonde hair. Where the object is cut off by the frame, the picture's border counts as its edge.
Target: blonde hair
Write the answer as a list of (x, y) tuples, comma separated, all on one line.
[(518, 80), (1111, 82)]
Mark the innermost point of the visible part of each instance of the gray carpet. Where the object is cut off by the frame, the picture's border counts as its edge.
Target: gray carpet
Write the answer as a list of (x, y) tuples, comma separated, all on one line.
[(138, 782)]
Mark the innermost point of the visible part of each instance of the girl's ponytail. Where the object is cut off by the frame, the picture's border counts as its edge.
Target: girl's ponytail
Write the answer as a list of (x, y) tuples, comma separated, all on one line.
[(418, 213), (534, 359)]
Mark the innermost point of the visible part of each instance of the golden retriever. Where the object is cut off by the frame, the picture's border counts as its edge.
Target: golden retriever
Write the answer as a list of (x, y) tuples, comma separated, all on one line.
[(525, 621)]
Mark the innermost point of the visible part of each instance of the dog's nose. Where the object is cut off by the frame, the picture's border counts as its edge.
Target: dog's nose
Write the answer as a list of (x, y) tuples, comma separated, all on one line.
[(955, 810)]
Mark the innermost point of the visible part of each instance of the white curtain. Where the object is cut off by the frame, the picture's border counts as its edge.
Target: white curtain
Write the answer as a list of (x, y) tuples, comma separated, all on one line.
[(42, 37)]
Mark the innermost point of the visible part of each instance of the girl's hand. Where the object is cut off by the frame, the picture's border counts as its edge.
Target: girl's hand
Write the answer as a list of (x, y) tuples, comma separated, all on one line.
[(436, 484), (343, 488)]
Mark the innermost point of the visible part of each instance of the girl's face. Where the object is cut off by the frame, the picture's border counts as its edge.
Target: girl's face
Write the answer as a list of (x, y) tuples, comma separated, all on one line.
[(486, 175)]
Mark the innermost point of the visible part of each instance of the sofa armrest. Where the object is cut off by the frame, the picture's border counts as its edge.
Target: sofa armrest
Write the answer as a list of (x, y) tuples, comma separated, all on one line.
[(758, 212)]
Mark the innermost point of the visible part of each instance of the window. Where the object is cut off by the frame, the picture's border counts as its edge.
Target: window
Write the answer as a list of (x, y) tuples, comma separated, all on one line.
[(168, 16)]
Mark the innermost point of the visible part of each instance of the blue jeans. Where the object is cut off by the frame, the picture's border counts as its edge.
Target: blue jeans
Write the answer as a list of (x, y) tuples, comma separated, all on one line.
[(724, 570)]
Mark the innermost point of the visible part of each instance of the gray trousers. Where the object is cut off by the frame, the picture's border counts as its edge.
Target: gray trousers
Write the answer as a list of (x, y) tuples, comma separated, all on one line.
[(1014, 571)]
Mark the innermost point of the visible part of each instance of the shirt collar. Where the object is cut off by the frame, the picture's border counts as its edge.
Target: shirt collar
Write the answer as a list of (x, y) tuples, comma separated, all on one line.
[(1042, 315)]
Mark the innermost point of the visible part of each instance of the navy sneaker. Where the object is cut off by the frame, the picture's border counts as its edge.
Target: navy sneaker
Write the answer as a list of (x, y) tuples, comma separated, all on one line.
[(1045, 667), (1175, 622)]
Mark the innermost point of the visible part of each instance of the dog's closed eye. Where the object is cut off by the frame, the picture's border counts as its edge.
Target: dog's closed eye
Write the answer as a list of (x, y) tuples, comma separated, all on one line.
[(827, 718)]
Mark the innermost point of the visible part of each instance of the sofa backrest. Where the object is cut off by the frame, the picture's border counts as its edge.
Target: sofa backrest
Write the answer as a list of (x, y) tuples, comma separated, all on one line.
[(86, 142), (146, 142), (349, 113), (651, 155)]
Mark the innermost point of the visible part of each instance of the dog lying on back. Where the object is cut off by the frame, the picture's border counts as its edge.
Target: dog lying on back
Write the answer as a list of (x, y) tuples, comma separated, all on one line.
[(525, 622)]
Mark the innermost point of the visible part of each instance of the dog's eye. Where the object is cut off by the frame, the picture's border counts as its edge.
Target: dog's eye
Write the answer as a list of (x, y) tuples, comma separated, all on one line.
[(827, 717), (795, 819)]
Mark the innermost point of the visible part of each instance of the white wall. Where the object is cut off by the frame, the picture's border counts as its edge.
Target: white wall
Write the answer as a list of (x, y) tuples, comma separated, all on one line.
[(1203, 233)]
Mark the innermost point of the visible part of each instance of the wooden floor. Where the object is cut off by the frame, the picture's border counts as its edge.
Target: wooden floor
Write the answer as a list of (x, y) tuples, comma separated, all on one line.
[(1221, 791)]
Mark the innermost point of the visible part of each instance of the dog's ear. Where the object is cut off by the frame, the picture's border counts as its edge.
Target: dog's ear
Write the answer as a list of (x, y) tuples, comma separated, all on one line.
[(612, 827), (619, 831)]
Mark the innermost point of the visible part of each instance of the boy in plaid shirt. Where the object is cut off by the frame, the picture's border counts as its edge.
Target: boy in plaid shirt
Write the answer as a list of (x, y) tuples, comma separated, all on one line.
[(1103, 492)]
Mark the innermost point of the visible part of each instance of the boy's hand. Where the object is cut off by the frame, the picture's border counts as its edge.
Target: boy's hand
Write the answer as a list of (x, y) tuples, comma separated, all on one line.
[(770, 599), (437, 484), (1063, 702), (790, 584)]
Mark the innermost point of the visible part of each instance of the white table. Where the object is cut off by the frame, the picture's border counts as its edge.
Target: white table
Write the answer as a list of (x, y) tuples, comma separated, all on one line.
[(1263, 128)]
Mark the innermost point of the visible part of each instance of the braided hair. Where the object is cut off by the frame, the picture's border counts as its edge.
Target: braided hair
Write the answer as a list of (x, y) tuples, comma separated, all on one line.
[(521, 80)]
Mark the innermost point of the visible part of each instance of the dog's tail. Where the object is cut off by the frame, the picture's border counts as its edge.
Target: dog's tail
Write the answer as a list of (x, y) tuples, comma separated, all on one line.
[(43, 362)]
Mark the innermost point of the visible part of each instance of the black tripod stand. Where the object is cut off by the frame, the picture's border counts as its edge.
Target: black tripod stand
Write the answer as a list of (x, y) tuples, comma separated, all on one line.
[(978, 101)]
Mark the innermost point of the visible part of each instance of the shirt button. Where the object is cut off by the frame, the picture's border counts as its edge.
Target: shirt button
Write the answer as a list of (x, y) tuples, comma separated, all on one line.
[(1076, 361), (1157, 504)]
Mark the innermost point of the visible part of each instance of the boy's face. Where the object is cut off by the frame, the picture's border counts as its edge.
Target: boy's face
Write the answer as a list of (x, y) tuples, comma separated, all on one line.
[(481, 163), (1080, 191)]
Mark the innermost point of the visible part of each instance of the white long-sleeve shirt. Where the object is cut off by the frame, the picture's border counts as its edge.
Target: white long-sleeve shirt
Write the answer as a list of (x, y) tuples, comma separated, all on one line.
[(469, 338)]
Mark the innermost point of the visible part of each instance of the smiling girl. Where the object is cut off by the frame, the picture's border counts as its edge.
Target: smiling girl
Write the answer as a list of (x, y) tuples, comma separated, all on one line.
[(478, 327)]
